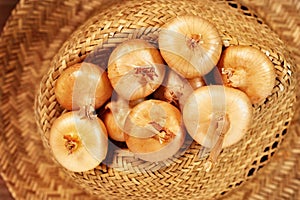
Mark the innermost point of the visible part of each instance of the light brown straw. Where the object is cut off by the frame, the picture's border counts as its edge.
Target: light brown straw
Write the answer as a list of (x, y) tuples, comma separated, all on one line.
[(42, 38)]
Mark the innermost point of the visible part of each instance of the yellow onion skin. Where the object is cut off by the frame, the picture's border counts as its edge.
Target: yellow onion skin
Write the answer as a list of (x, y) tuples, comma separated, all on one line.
[(92, 142), (190, 45), (208, 101), (248, 69), (83, 84), (175, 89), (135, 69), (142, 138), (115, 132), (115, 115)]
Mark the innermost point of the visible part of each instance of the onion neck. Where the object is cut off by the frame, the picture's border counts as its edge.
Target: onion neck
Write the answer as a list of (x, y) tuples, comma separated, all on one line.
[(235, 78), (171, 97), (222, 126), (71, 143), (163, 135)]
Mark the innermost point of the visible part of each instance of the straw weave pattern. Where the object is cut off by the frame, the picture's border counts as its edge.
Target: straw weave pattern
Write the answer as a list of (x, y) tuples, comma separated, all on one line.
[(27, 49), (183, 176)]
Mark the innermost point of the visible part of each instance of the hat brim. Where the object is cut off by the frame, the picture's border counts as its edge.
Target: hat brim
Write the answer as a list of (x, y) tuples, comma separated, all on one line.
[(27, 44)]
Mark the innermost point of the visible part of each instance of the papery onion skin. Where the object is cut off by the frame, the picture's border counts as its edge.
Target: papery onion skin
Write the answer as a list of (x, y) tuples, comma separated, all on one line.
[(114, 117), (135, 69), (72, 89), (113, 129), (152, 148), (190, 45), (175, 89), (92, 141), (214, 99), (248, 69)]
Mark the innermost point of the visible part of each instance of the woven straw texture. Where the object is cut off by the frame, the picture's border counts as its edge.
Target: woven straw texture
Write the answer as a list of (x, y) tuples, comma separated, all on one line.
[(184, 176), (26, 165)]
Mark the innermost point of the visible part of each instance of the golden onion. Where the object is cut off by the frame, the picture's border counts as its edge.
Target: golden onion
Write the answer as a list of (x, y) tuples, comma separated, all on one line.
[(190, 45)]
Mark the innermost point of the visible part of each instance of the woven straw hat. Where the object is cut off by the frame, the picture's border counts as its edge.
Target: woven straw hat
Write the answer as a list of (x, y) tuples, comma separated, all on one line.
[(31, 44)]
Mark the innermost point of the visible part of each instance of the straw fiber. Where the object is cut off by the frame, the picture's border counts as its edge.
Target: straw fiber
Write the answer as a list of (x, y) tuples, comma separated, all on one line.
[(183, 176), (261, 166)]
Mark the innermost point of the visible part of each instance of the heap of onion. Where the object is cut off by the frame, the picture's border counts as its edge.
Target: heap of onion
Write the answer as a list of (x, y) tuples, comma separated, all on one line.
[(215, 116)]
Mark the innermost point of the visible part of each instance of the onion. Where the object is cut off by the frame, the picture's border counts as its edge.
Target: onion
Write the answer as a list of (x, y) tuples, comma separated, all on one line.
[(114, 127), (154, 130), (174, 89), (83, 85), (115, 116), (248, 69), (190, 45), (217, 117), (78, 144), (135, 69)]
